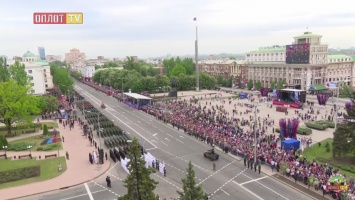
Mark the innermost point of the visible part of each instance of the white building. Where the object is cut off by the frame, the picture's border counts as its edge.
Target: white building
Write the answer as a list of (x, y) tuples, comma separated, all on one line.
[(87, 71), (269, 64), (340, 69), (38, 71)]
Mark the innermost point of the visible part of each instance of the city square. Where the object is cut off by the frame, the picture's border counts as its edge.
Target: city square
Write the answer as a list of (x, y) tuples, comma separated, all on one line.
[(180, 100)]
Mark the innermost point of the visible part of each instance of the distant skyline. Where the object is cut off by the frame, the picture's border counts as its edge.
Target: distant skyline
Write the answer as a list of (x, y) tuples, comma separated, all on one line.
[(153, 28)]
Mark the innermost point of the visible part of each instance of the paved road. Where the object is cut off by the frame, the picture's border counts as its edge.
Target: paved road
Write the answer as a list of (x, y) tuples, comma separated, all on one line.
[(231, 180)]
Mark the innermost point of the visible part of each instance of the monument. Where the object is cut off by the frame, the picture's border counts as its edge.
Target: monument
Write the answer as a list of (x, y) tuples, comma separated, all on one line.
[(173, 86)]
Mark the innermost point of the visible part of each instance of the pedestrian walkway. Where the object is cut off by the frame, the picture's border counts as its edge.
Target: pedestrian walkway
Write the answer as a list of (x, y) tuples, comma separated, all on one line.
[(79, 170)]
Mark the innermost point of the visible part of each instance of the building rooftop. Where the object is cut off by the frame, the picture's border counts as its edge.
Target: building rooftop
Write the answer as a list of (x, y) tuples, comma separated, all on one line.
[(271, 49), (353, 57), (41, 62), (337, 56), (308, 34), (28, 54)]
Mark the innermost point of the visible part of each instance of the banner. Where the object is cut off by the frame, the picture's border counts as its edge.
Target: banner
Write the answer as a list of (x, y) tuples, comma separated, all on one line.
[(331, 85)]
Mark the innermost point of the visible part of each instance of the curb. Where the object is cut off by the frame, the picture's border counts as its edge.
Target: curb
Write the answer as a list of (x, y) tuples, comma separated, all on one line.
[(66, 187)]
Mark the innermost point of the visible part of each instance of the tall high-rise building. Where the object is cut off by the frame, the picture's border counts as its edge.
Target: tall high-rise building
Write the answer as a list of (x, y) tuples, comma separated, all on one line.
[(42, 53)]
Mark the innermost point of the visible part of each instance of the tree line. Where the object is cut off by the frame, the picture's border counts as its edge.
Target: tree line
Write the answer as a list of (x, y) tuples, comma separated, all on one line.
[(131, 79)]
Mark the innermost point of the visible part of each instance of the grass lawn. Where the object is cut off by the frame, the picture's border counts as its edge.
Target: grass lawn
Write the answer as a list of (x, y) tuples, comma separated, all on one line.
[(48, 169), (316, 152), (37, 140), (19, 131)]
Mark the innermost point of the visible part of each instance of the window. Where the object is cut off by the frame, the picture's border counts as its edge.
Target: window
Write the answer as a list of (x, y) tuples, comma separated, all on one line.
[(46, 85), (44, 70), (30, 77), (30, 71), (32, 84), (32, 91)]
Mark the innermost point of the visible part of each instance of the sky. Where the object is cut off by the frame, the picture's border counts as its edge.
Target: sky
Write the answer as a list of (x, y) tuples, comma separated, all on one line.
[(152, 28)]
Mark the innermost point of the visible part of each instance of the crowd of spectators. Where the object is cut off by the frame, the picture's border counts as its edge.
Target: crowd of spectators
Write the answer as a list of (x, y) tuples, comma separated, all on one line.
[(216, 126)]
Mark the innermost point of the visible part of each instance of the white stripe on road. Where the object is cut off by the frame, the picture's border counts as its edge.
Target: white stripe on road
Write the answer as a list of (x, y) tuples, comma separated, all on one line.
[(246, 189), (181, 136), (179, 140), (163, 143), (150, 149), (268, 188), (88, 191), (74, 197), (167, 139), (257, 179), (225, 192)]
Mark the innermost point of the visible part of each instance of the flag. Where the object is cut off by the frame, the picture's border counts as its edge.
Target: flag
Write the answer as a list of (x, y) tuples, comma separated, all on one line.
[(195, 19)]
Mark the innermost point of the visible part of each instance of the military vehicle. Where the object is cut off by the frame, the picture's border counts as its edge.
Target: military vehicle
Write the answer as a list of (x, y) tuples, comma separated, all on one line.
[(210, 154)]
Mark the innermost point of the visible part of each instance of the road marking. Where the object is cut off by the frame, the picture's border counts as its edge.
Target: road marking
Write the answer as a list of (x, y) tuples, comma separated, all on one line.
[(139, 122), (257, 179), (115, 176), (151, 149), (216, 172), (154, 141), (175, 168), (182, 137), (81, 195), (179, 140), (220, 188), (106, 188), (225, 192), (268, 188), (168, 182), (88, 191), (246, 189), (167, 139), (113, 166), (163, 143)]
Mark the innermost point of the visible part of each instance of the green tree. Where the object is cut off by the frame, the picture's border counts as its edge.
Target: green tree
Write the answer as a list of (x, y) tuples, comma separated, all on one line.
[(345, 92), (220, 80), (45, 129), (186, 82), (250, 84), (4, 72), (189, 66), (280, 84), (110, 64), (162, 80), (47, 103), (168, 65), (152, 71), (61, 78), (130, 64), (207, 81), (149, 83), (258, 85), (273, 85), (18, 73), (177, 70), (76, 75), (16, 105), (191, 191), (138, 182)]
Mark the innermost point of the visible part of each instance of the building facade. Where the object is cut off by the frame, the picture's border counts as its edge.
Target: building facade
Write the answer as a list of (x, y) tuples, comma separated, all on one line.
[(340, 69), (225, 68), (52, 58), (42, 53), (268, 64), (75, 58), (38, 71)]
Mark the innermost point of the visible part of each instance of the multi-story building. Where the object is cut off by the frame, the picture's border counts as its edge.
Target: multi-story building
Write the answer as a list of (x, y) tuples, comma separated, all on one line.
[(87, 72), (38, 71), (271, 64), (100, 61), (51, 58), (42, 53), (75, 58), (225, 68), (339, 69)]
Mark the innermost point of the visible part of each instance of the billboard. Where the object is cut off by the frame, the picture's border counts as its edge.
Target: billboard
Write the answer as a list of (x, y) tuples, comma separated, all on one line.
[(297, 54)]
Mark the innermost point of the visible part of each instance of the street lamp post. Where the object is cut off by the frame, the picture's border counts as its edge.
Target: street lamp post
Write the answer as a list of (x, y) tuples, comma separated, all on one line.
[(29, 147), (4, 147)]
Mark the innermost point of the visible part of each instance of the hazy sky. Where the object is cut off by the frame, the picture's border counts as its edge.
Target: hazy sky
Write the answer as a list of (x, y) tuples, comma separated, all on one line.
[(148, 28)]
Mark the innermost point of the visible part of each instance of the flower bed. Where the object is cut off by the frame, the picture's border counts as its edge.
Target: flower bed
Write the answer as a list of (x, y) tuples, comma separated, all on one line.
[(281, 109)]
